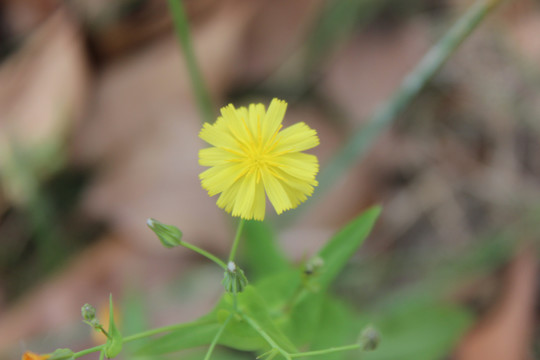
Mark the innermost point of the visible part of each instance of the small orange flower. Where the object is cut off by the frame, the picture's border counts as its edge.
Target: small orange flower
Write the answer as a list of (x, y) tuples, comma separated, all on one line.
[(33, 356)]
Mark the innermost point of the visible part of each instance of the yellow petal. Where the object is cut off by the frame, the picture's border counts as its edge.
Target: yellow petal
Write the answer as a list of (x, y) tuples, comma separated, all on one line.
[(214, 134), (219, 178), (259, 204), (216, 156), (297, 137), (228, 197), (276, 193), (236, 125), (273, 118), (243, 205), (299, 165), (256, 116)]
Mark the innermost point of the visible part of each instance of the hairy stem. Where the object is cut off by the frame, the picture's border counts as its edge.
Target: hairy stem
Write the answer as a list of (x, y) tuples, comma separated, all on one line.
[(144, 334), (205, 253), (168, 328), (199, 88), (236, 240), (326, 351), (216, 338), (414, 82), (265, 336), (88, 351)]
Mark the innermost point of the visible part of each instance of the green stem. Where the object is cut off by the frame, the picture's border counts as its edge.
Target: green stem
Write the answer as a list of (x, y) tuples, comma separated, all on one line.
[(265, 336), (144, 334), (182, 32), (235, 297), (87, 351), (236, 240), (216, 338), (152, 332), (271, 354), (413, 83), (326, 351), (204, 253), (104, 332)]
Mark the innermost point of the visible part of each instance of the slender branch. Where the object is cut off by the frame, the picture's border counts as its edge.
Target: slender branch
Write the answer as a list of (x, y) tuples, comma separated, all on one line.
[(270, 353), (205, 253), (144, 334), (235, 297), (104, 331), (326, 351), (87, 351), (265, 336), (216, 338), (413, 83), (236, 240), (152, 332), (182, 32)]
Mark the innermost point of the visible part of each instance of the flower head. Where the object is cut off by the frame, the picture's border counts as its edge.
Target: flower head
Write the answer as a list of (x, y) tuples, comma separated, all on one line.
[(252, 155)]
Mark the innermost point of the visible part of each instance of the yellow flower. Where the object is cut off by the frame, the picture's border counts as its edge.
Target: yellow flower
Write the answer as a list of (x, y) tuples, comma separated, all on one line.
[(252, 155), (33, 356)]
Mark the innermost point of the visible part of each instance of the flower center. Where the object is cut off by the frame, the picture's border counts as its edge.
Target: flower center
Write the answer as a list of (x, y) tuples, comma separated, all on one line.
[(257, 158)]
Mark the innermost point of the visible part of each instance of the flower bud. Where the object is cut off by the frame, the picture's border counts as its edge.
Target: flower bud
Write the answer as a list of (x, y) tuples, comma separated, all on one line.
[(234, 279), (88, 312), (89, 315), (369, 338), (169, 235), (314, 265)]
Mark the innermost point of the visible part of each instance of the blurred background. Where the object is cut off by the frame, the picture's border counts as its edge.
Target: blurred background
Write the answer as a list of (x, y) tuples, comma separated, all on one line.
[(98, 132)]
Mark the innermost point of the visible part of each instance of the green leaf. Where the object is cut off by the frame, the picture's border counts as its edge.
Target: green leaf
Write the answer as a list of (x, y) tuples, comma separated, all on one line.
[(306, 312), (261, 251), (268, 296), (419, 330), (344, 244), (279, 288), (304, 319), (196, 333), (338, 326), (240, 335), (113, 347), (218, 354), (254, 305)]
